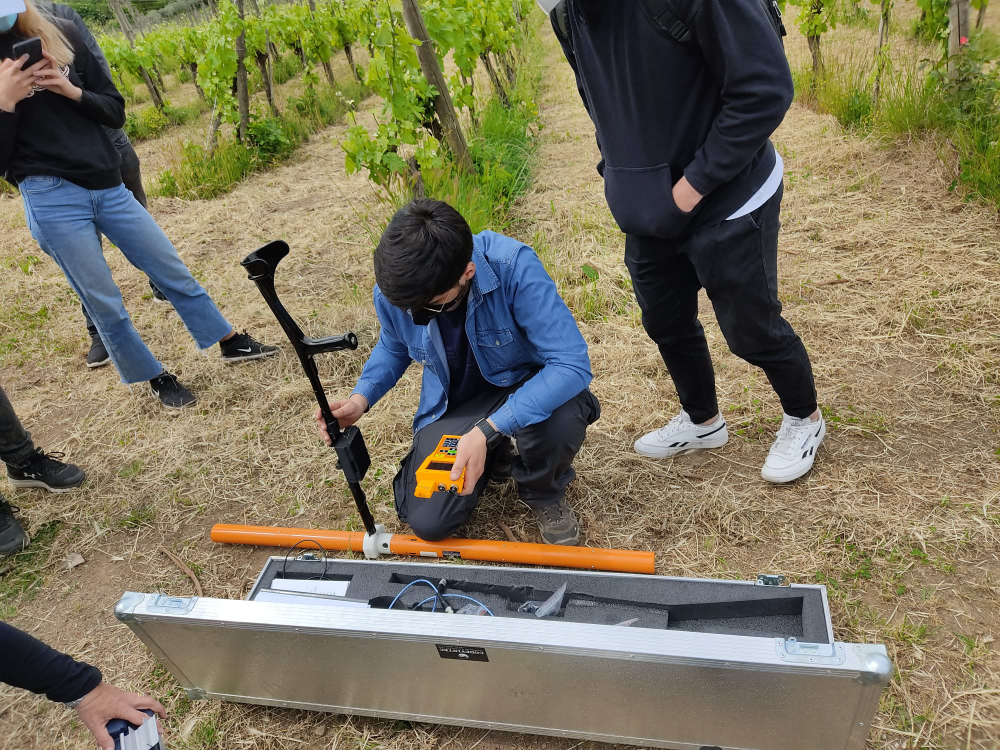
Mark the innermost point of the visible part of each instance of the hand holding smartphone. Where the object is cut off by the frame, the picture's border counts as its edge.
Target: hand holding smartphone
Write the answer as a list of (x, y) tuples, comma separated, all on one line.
[(30, 47)]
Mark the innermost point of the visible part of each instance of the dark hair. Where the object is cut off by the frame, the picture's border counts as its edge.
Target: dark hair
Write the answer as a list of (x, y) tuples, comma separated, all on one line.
[(422, 253)]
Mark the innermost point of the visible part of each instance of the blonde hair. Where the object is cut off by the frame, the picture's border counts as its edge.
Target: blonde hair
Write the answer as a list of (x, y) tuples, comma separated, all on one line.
[(33, 22)]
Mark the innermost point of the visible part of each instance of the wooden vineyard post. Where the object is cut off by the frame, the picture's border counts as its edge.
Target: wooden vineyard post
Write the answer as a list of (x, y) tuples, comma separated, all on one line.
[(958, 32), (129, 32), (431, 68), (265, 65), (242, 91), (882, 51), (325, 63)]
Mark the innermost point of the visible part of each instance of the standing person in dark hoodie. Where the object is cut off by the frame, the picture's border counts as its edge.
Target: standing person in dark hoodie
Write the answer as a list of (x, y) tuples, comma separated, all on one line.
[(54, 146), (98, 355), (684, 95), (26, 662)]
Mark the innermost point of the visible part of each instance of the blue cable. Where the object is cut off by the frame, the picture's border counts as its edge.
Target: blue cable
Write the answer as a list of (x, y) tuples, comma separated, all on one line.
[(411, 583), (436, 595), (457, 596)]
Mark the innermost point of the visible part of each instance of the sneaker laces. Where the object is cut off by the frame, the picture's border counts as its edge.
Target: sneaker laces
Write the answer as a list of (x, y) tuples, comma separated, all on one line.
[(166, 378), (675, 425), (7, 513), (43, 460), (553, 512), (243, 338), (789, 438)]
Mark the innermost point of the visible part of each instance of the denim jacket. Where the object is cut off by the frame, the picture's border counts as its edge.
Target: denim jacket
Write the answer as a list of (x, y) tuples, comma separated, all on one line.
[(517, 324)]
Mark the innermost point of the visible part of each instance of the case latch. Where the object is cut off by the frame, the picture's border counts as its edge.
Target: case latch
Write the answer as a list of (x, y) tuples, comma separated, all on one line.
[(791, 650), (171, 605), (766, 579)]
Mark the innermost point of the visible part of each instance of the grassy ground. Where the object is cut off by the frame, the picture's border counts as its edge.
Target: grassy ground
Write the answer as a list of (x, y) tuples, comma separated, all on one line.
[(892, 281)]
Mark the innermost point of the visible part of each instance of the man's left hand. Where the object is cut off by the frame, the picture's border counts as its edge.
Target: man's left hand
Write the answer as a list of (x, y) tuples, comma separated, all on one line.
[(471, 456), (685, 196)]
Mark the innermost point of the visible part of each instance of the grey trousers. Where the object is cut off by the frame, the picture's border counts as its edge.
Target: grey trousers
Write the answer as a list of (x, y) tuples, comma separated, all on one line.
[(543, 466), (16, 447)]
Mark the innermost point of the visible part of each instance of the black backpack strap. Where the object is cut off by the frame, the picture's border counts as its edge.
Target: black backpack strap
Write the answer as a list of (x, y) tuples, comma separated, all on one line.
[(672, 18), (560, 21), (773, 12)]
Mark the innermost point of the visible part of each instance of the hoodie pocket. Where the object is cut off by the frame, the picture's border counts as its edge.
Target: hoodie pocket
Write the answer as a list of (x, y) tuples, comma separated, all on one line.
[(642, 201)]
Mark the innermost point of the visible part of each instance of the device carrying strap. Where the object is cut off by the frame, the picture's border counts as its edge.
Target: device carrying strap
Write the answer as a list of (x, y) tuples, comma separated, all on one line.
[(672, 18)]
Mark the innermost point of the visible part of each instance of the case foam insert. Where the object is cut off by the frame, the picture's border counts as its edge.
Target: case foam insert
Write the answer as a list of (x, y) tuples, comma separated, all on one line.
[(706, 606)]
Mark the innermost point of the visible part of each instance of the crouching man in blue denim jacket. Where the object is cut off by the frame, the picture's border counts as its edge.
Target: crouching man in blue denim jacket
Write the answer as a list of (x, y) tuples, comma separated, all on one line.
[(504, 365)]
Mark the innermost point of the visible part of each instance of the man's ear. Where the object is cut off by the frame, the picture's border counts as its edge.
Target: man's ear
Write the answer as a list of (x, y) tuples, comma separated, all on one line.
[(469, 272)]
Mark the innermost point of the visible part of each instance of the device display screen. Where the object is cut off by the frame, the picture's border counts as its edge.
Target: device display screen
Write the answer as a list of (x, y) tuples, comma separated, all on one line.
[(438, 466)]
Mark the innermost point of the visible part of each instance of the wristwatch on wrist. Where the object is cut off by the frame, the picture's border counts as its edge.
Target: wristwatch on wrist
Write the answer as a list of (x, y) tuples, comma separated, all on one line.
[(492, 436)]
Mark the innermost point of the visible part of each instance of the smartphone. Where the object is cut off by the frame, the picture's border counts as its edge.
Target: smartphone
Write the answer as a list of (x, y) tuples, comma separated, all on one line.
[(30, 47)]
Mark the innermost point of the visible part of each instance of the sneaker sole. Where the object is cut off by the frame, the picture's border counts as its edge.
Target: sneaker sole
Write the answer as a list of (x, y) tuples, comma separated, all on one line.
[(176, 409), (169, 407), (673, 453), (38, 483), (798, 473), (159, 301), (21, 546), (247, 358), (103, 362), (575, 542)]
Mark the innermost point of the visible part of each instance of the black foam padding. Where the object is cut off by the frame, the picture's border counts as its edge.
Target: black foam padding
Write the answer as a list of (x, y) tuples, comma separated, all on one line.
[(694, 605)]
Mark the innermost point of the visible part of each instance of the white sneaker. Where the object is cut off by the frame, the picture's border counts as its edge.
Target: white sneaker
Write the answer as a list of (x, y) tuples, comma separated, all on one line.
[(680, 435), (794, 449)]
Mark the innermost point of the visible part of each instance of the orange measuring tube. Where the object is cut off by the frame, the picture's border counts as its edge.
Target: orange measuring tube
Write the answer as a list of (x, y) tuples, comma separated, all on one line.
[(520, 553)]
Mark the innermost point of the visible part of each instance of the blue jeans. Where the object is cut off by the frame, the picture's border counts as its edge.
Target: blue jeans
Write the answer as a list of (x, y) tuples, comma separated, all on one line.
[(65, 219)]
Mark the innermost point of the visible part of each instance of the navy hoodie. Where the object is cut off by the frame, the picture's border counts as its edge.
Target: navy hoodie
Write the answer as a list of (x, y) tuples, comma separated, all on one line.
[(26, 662), (665, 109)]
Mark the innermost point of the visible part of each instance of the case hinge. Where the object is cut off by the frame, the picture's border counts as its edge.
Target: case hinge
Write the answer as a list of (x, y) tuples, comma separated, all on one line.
[(766, 579)]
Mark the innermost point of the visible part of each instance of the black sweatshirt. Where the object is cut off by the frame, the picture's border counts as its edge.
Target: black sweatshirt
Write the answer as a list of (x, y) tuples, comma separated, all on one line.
[(117, 135), (662, 109), (26, 662), (49, 134)]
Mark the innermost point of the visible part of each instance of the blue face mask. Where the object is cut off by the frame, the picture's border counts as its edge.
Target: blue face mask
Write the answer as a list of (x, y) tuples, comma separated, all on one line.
[(7, 22)]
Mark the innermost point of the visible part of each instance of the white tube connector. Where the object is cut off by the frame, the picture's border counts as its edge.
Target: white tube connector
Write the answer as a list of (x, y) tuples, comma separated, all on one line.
[(378, 543)]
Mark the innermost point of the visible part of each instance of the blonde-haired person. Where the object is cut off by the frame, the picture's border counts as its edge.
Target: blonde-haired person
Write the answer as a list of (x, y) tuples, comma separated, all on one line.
[(53, 146)]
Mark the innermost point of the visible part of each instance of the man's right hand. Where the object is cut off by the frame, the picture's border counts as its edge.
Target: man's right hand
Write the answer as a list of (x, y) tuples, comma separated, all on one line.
[(347, 411)]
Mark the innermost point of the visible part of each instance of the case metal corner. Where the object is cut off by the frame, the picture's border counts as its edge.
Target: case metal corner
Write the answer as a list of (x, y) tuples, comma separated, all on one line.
[(878, 667), (125, 608)]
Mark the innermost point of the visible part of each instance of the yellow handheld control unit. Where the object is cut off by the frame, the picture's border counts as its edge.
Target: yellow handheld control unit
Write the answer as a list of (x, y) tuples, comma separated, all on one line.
[(434, 474)]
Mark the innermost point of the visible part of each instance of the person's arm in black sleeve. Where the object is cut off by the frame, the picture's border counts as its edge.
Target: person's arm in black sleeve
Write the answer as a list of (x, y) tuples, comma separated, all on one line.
[(567, 48), (8, 132), (101, 101), (68, 14), (746, 57), (27, 663)]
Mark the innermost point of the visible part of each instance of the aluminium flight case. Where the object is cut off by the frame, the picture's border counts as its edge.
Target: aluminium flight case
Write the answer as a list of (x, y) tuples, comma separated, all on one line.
[(705, 664)]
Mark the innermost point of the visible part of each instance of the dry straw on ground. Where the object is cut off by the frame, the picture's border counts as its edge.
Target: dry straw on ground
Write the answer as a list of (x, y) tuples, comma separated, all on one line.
[(893, 283)]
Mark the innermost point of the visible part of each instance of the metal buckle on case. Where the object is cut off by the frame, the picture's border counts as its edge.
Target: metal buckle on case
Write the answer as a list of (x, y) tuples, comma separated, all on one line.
[(172, 605), (765, 579), (791, 650)]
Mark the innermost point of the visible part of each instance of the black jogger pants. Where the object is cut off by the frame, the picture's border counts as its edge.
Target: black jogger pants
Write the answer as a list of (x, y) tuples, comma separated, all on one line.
[(736, 262)]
